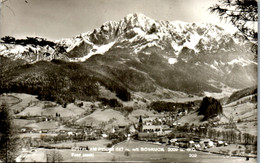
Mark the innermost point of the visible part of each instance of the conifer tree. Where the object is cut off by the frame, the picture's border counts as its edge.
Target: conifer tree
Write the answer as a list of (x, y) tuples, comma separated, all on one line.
[(243, 14)]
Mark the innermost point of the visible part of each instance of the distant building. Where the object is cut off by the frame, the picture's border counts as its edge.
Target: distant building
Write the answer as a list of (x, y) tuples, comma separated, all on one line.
[(152, 129), (113, 130), (210, 144), (44, 131), (191, 143), (23, 130), (220, 143), (70, 133), (104, 135), (173, 140)]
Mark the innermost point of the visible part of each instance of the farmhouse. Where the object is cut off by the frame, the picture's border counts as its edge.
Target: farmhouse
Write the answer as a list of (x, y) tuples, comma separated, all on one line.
[(191, 143), (220, 143)]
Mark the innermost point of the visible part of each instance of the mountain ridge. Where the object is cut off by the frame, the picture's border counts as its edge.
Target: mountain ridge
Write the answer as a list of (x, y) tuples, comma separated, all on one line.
[(134, 23), (138, 53)]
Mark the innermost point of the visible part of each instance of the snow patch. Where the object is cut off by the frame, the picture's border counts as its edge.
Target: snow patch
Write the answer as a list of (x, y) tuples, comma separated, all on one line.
[(98, 50), (150, 44), (147, 53), (18, 49), (194, 40), (212, 66), (176, 47), (151, 37), (141, 33), (172, 61), (2, 47), (197, 63), (215, 63), (241, 61)]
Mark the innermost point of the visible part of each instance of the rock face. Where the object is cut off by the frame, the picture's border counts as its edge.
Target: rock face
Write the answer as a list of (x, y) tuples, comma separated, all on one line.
[(140, 54), (210, 108)]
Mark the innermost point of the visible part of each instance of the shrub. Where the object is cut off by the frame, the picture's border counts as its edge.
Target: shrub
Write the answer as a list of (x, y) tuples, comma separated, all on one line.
[(128, 109), (115, 141), (109, 145), (54, 156), (8, 39), (161, 106), (111, 102), (123, 94)]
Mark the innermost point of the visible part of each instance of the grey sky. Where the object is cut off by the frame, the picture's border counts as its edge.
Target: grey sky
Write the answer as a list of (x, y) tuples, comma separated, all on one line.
[(57, 19)]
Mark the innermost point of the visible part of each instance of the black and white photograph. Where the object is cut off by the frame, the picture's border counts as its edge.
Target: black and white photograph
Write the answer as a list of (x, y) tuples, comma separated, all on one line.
[(128, 81)]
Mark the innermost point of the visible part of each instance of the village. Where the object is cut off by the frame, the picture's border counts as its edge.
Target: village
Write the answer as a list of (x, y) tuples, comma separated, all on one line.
[(162, 129), (98, 129)]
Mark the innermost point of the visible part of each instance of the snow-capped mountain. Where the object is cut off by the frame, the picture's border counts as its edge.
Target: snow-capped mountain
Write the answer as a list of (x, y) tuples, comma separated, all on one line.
[(141, 31), (136, 31), (188, 57)]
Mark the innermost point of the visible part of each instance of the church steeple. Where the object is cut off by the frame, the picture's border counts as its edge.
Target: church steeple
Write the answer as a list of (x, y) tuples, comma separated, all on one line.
[(140, 119), (140, 125)]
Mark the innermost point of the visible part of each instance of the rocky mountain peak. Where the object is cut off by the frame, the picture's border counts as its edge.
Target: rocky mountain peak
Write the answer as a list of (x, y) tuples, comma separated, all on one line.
[(138, 20), (138, 32)]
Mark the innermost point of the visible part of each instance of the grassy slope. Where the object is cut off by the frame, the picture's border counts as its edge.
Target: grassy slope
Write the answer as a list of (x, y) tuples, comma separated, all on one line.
[(239, 106), (109, 116), (247, 112), (242, 106), (190, 118)]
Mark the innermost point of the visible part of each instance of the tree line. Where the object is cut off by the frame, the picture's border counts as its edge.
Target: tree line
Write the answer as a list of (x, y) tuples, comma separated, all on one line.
[(28, 41), (161, 106)]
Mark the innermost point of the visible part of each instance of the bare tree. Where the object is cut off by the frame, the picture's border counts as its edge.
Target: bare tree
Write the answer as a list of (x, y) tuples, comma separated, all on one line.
[(54, 156)]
